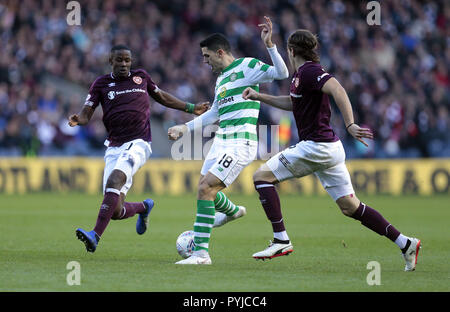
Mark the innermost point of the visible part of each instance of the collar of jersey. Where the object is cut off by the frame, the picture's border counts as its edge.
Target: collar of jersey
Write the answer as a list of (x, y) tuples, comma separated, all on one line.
[(306, 62), (112, 76), (233, 64)]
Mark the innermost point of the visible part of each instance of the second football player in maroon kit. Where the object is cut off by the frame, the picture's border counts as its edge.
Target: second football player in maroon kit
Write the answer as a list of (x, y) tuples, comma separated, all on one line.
[(124, 95), (319, 151)]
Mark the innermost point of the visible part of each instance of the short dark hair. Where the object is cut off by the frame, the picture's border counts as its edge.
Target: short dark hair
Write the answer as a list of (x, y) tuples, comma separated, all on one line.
[(304, 43), (215, 42), (118, 47)]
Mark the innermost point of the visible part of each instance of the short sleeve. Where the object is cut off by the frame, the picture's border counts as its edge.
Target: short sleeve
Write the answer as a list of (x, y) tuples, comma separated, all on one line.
[(152, 88), (259, 72), (314, 77), (93, 98)]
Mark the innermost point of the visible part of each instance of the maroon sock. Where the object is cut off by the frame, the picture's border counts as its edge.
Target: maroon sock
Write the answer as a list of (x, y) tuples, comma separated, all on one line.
[(271, 203), (130, 209), (107, 208), (372, 219)]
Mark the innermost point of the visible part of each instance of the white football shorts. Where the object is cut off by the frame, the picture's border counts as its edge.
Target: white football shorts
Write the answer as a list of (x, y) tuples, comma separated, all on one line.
[(325, 160), (128, 158), (227, 158)]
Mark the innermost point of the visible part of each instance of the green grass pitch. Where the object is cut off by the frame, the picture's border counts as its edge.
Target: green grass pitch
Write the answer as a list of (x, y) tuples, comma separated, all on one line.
[(331, 251)]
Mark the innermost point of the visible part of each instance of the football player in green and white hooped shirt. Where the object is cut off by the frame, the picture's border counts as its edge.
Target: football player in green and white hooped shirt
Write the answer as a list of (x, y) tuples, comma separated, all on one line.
[(236, 143)]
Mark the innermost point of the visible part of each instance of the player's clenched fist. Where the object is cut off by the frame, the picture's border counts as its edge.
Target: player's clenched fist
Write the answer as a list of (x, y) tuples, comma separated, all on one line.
[(73, 120), (200, 108), (176, 131), (82, 118), (250, 94)]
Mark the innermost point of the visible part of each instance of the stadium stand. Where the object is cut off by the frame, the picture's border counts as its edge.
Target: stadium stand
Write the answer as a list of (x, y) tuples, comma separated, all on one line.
[(396, 74)]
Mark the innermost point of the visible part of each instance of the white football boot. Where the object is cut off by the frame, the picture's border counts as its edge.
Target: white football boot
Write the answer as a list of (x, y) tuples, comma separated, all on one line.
[(221, 218), (275, 249), (198, 257), (411, 254)]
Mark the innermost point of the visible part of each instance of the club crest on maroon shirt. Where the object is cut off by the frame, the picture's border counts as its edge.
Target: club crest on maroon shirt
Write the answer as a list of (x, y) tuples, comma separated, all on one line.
[(297, 82), (137, 80)]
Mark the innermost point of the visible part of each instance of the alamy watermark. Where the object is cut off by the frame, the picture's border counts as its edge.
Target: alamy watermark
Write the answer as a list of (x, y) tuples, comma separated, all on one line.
[(374, 276), (74, 16), (195, 145), (374, 16), (74, 275)]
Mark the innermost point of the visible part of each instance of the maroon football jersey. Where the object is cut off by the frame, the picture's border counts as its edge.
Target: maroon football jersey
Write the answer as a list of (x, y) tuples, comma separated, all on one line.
[(126, 105), (311, 107)]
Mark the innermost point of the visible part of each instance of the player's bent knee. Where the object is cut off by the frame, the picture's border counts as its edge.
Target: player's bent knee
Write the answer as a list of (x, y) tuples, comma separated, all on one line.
[(347, 210), (208, 187), (264, 174), (257, 176), (348, 205), (203, 188), (116, 180)]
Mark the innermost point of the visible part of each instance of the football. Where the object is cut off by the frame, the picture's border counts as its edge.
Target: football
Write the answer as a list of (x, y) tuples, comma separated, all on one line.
[(185, 244)]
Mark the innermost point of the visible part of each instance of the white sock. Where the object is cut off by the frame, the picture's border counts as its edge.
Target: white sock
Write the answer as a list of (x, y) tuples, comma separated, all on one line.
[(281, 235), (401, 241), (201, 253)]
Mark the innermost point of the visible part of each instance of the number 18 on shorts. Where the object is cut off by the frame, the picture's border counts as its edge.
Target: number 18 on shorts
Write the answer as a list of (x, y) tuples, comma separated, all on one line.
[(227, 164)]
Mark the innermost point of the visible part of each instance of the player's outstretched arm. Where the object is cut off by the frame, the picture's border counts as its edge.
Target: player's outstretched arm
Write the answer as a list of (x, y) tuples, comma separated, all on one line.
[(171, 101), (207, 118), (279, 66), (82, 118), (333, 87), (281, 102)]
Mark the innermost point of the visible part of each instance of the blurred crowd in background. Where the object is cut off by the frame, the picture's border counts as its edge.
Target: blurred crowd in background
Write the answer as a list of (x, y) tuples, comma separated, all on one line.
[(396, 74)]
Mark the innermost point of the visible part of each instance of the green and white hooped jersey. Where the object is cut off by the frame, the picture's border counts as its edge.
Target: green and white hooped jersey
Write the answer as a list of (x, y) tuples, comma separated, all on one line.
[(238, 117)]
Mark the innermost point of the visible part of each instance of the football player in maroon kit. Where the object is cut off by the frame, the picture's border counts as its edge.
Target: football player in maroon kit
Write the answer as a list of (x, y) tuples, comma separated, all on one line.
[(319, 152), (124, 95)]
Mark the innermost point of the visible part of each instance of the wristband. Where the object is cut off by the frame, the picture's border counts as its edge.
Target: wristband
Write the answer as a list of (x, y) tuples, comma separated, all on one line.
[(349, 125), (189, 107)]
